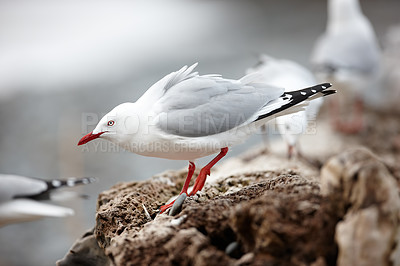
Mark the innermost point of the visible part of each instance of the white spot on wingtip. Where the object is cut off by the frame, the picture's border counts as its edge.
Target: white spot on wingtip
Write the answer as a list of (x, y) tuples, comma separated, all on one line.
[(313, 91), (70, 183), (56, 183), (303, 93), (323, 87)]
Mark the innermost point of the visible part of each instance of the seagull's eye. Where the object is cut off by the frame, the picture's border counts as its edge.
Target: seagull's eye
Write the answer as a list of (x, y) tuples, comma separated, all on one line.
[(110, 123)]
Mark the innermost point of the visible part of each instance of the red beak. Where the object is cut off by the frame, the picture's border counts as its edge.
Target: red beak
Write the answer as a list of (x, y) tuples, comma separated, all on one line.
[(89, 137)]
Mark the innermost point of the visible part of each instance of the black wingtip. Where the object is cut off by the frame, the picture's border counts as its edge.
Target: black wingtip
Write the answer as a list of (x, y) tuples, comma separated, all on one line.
[(328, 92), (70, 182), (296, 97), (73, 181), (325, 85)]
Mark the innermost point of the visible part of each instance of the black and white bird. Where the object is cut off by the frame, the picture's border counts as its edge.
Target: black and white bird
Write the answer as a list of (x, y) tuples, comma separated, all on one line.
[(348, 55), (23, 198), (186, 116), (291, 76)]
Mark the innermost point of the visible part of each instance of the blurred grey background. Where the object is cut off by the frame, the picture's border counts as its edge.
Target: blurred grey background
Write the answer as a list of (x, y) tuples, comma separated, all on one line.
[(63, 64)]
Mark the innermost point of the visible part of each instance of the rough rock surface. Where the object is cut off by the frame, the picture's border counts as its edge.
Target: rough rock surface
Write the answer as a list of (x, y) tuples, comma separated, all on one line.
[(364, 191), (261, 209), (85, 251), (122, 208), (277, 218), (200, 234)]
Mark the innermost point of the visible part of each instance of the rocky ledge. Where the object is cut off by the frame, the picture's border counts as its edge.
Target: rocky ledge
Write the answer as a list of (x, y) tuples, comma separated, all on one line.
[(261, 209)]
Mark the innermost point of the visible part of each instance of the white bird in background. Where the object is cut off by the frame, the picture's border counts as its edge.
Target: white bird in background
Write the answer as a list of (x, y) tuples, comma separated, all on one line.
[(348, 55), (185, 116), (291, 76), (21, 198)]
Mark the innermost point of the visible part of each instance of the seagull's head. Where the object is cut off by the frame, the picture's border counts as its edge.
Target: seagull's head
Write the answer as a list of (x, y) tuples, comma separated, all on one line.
[(114, 126)]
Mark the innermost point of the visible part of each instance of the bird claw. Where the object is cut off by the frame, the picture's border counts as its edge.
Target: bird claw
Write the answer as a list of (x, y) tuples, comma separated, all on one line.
[(165, 207), (206, 172)]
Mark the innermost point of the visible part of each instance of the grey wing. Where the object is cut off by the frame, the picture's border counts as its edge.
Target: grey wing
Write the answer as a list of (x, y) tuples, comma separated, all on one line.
[(207, 105), (12, 186), (347, 50)]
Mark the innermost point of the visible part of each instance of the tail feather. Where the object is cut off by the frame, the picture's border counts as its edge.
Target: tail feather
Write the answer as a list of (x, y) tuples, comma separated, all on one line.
[(59, 183), (293, 98)]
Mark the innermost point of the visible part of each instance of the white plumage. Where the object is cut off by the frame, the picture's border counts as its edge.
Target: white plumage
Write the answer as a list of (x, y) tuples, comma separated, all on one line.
[(186, 116), (348, 53), (348, 47), (21, 198)]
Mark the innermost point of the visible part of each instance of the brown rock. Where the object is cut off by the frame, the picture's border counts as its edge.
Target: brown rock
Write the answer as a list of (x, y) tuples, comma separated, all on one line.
[(120, 209), (273, 216), (363, 190), (85, 251), (286, 225), (275, 211)]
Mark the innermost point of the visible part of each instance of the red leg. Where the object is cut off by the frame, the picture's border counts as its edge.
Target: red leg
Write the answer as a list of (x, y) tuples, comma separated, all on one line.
[(201, 179), (358, 120), (185, 187), (192, 167), (290, 151)]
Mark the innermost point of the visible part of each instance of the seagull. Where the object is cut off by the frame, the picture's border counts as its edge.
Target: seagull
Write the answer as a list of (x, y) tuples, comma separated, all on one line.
[(186, 116), (348, 54), (21, 197), (291, 76)]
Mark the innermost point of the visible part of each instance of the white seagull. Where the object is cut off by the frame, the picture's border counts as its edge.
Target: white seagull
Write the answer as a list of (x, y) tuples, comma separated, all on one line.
[(291, 76), (21, 198), (348, 55), (186, 116)]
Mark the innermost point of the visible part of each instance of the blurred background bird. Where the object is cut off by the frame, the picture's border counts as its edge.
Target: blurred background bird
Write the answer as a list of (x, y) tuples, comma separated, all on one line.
[(291, 76), (22, 198), (348, 55)]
